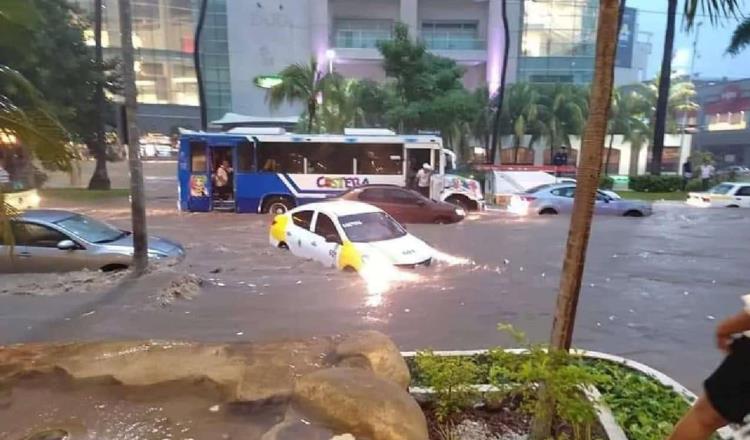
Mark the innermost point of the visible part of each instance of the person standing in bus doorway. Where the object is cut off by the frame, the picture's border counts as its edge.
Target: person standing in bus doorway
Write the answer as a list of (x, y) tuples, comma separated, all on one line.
[(223, 181), (423, 179)]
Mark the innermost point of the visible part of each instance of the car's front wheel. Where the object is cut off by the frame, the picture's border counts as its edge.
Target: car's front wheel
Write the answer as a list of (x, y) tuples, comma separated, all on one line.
[(633, 213)]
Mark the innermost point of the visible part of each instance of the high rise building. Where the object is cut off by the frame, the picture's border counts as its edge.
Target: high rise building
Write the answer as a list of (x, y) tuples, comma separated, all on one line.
[(550, 41), (163, 39)]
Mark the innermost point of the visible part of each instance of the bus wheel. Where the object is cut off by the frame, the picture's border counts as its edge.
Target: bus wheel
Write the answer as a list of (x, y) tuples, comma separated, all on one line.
[(278, 205)]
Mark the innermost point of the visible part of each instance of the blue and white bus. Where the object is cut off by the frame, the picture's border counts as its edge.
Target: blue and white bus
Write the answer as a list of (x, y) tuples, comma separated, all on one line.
[(273, 171)]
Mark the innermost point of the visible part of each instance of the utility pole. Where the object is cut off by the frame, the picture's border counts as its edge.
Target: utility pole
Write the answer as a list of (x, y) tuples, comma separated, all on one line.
[(137, 198)]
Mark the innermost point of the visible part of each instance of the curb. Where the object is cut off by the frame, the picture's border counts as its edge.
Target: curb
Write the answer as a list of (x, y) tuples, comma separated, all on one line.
[(690, 397)]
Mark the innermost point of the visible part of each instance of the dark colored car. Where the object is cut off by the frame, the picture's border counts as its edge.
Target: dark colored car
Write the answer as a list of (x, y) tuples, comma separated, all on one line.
[(405, 205)]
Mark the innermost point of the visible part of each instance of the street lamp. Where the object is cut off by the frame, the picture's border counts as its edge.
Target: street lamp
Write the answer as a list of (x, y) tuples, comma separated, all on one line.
[(330, 55)]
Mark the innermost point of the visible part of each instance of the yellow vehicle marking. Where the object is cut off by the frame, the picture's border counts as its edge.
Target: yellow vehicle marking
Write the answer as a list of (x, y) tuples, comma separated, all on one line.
[(349, 256), (278, 228)]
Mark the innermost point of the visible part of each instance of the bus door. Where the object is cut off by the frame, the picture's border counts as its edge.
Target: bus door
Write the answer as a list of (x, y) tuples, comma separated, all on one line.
[(198, 179), (222, 191), (416, 156)]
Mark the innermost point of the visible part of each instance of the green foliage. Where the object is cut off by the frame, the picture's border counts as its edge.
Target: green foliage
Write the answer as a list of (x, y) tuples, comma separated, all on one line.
[(563, 376), (644, 408), (649, 183), (740, 37), (606, 182), (694, 185), (57, 61), (451, 378), (301, 83)]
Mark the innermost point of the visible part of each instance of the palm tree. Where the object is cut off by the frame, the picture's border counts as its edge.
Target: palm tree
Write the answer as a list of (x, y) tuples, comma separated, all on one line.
[(563, 109), (626, 117), (740, 37), (100, 178), (520, 114), (583, 207), (300, 83), (340, 108), (714, 9), (137, 197)]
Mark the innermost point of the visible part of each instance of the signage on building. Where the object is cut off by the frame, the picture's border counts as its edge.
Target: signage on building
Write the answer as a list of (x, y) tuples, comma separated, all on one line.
[(626, 40)]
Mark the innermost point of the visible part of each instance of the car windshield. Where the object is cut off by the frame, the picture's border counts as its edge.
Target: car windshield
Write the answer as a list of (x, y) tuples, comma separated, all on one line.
[(91, 230), (371, 226), (721, 189)]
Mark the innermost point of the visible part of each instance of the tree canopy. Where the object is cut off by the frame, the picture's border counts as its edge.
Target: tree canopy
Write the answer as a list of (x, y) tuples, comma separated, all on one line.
[(57, 61)]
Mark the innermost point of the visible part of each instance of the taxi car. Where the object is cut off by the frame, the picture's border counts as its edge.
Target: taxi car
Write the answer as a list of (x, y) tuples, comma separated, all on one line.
[(724, 195), (347, 235)]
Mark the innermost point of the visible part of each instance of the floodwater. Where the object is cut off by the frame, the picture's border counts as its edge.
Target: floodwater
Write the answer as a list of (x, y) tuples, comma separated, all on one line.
[(654, 288)]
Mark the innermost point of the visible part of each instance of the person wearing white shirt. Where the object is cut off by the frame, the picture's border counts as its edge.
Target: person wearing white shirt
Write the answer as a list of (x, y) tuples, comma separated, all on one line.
[(423, 179), (707, 172), (727, 391)]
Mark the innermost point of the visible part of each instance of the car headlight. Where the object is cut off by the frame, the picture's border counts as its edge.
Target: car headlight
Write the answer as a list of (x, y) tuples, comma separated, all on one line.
[(461, 212)]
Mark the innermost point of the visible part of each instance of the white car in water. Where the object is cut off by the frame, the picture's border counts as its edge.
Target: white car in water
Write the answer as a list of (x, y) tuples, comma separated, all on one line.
[(348, 235), (724, 195)]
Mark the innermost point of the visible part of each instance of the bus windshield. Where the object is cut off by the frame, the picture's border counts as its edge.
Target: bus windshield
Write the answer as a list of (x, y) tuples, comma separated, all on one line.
[(371, 226)]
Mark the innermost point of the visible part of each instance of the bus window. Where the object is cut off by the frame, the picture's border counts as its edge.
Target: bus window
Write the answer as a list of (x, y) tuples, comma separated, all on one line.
[(327, 158), (244, 157), (280, 157), (198, 157), (380, 158)]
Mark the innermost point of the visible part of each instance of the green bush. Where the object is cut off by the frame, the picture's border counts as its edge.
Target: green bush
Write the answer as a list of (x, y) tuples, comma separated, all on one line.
[(451, 378), (606, 182), (650, 183)]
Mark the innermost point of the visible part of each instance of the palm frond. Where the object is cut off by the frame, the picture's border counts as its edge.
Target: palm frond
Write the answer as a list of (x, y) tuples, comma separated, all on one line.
[(740, 37), (715, 10)]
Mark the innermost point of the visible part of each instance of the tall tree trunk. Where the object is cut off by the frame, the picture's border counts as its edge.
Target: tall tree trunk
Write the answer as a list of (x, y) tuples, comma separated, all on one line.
[(198, 65), (583, 207), (311, 107), (137, 198), (516, 147), (664, 83), (609, 154), (501, 90), (100, 178)]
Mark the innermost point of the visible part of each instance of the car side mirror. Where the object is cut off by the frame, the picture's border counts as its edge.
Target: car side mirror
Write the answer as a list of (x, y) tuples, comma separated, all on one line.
[(66, 245)]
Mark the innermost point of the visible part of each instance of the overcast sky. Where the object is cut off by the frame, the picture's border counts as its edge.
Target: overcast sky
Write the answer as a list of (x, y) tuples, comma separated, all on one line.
[(711, 61)]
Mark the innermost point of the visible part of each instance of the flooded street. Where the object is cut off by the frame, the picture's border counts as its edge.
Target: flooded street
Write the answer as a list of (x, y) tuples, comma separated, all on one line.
[(654, 288)]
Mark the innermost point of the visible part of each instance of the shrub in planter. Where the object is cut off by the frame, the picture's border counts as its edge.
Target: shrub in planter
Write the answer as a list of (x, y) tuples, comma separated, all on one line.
[(695, 185), (650, 183), (451, 378), (606, 182)]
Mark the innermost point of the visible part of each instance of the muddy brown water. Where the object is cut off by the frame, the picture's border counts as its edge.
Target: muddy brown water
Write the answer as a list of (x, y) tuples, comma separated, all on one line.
[(50, 406)]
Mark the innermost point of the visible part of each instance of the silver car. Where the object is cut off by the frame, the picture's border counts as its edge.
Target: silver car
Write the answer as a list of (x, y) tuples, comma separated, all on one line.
[(558, 198), (57, 241)]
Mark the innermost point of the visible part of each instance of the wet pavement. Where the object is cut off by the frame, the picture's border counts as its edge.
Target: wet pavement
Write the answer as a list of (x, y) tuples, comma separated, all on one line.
[(654, 288)]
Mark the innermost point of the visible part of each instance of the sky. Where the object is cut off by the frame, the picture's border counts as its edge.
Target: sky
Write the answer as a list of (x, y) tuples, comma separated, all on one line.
[(711, 60)]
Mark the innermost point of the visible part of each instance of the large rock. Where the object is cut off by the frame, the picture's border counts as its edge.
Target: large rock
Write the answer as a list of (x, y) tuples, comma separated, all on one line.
[(244, 372), (361, 403), (384, 358)]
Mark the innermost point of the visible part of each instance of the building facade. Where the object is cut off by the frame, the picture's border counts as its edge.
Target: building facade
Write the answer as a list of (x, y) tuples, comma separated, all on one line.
[(163, 39), (723, 126), (550, 41)]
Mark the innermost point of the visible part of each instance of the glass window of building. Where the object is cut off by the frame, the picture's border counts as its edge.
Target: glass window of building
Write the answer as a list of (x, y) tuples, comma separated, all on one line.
[(452, 35), (360, 33)]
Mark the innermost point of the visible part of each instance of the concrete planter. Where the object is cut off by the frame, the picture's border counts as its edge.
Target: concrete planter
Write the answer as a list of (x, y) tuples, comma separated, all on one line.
[(606, 418)]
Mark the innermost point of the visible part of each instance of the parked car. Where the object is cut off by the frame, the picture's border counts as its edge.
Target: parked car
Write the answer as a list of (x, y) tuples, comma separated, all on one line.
[(405, 205), (347, 235), (724, 195), (738, 170), (558, 198), (49, 240)]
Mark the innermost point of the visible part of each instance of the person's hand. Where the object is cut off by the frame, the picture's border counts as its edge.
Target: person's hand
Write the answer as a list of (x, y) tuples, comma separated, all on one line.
[(724, 337)]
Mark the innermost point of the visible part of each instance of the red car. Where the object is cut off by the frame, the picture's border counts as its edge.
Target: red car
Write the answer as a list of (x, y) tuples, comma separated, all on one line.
[(405, 205)]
